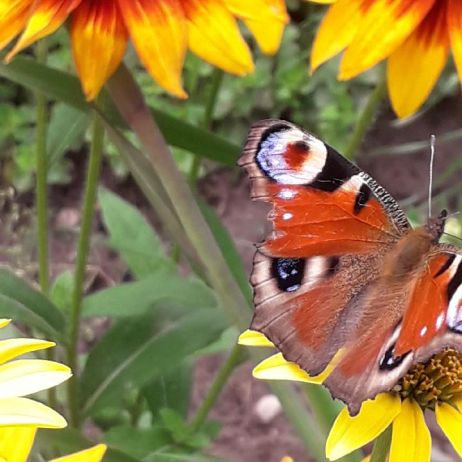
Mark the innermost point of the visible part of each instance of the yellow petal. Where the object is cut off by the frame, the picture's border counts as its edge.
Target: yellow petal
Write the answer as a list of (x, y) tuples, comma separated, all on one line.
[(11, 348), (287, 459), (16, 443), (26, 412), (384, 26), (277, 368), (214, 36), (450, 421), (322, 1), (415, 66), (158, 32), (254, 338), (350, 433), (99, 39), (266, 19), (337, 30), (47, 16), (4, 322), (411, 440), (26, 376), (13, 18), (94, 454), (454, 18)]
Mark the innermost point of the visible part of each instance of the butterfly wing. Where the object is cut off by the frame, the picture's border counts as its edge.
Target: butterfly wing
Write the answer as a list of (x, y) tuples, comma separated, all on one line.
[(431, 304), (332, 226)]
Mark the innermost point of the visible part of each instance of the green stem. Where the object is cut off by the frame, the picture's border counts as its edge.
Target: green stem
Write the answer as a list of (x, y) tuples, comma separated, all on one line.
[(130, 102), (234, 359), (93, 173), (382, 446), (41, 178), (211, 104), (366, 117)]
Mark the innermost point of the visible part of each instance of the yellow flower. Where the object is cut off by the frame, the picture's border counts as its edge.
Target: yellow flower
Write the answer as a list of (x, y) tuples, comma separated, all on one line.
[(415, 37), (23, 377), (16, 443), (435, 386), (160, 31)]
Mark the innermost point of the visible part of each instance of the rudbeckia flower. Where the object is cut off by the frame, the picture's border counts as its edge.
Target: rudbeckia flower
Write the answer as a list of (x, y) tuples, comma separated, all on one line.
[(160, 31), (16, 443), (435, 386), (23, 377), (414, 36)]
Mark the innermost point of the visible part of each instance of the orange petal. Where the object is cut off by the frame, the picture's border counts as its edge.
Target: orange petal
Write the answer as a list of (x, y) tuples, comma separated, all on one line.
[(454, 18), (385, 25), (266, 19), (337, 30), (214, 36), (46, 17), (99, 40), (13, 18), (158, 32), (415, 66)]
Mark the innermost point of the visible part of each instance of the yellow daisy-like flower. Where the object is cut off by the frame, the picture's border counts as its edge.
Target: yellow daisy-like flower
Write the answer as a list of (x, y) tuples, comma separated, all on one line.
[(16, 443), (160, 30), (435, 385), (415, 37), (23, 377)]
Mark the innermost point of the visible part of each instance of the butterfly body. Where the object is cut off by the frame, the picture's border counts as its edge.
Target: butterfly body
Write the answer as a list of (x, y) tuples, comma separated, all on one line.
[(343, 274)]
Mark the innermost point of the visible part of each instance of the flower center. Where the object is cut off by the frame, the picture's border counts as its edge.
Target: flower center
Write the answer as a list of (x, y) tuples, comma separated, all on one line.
[(439, 379)]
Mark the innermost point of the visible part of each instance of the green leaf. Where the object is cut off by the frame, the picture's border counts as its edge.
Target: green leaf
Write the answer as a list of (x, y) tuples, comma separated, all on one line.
[(133, 353), (61, 291), (69, 440), (18, 300), (228, 249), (163, 289), (170, 390), (66, 128), (132, 236), (62, 86)]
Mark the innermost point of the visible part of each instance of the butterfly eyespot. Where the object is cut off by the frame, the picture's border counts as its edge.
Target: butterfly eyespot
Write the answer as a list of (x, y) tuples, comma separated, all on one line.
[(288, 273), (389, 361)]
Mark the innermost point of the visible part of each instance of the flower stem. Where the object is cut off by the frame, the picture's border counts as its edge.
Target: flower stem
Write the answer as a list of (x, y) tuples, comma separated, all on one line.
[(215, 85), (41, 177), (93, 173), (382, 446), (366, 117), (234, 359)]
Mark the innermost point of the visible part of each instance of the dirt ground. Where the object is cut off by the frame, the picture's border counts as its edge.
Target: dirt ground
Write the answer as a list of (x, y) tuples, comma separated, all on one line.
[(245, 436)]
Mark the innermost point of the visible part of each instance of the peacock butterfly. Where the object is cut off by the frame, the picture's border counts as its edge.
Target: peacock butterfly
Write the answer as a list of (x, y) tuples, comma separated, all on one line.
[(343, 269)]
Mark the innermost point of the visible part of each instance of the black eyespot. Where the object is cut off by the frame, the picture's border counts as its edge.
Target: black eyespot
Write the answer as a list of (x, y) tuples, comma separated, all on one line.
[(288, 273), (389, 361), (363, 196)]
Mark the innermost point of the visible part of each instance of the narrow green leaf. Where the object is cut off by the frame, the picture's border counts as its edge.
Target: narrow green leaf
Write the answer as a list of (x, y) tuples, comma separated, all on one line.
[(133, 353), (161, 289), (20, 301), (132, 236), (172, 390), (62, 86), (66, 128), (228, 249)]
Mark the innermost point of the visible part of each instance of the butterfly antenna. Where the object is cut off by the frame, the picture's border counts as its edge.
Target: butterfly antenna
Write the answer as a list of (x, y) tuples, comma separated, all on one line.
[(430, 182)]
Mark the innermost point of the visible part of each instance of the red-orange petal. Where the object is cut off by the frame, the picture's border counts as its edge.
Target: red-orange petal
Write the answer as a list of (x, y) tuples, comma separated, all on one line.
[(13, 18), (46, 16), (214, 36), (99, 40), (384, 26), (158, 32), (337, 30), (454, 18), (415, 66)]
